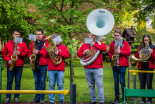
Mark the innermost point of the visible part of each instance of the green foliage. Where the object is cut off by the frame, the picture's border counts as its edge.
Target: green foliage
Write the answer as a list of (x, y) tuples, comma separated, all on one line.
[(13, 15)]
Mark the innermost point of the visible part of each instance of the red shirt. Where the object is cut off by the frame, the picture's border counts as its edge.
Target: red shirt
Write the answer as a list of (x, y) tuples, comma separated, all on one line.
[(8, 52), (42, 60), (125, 52), (98, 62), (63, 52), (151, 59)]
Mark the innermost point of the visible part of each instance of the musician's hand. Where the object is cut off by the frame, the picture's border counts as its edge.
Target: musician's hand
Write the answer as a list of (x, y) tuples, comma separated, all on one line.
[(92, 43), (17, 53), (57, 53), (35, 51), (85, 51), (10, 62), (118, 51), (151, 50)]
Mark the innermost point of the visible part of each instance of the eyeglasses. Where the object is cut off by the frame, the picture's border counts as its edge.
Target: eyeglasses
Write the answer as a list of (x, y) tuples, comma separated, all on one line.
[(146, 39), (39, 34), (116, 35)]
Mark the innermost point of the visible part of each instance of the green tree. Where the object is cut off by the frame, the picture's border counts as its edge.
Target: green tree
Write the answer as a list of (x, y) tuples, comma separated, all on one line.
[(67, 17), (14, 15)]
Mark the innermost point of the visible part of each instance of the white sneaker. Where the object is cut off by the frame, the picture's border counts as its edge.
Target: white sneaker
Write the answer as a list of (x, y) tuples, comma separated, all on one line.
[(142, 102), (148, 102)]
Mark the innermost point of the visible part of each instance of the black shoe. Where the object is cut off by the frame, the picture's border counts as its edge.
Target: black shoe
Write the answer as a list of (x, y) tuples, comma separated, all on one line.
[(16, 100), (35, 101), (101, 103), (7, 100), (115, 102), (41, 101), (92, 103), (51, 103), (61, 102)]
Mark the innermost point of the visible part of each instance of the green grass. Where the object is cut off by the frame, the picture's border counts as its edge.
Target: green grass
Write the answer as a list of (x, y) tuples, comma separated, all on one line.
[(27, 83)]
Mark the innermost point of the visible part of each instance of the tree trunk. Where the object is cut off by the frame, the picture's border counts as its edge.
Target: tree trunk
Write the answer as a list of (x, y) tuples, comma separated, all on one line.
[(71, 65)]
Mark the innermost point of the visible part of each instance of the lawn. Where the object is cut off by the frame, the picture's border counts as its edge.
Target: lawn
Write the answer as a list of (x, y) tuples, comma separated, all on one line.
[(27, 83)]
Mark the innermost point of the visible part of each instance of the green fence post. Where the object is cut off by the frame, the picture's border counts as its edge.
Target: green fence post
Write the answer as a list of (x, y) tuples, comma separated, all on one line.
[(0, 77)]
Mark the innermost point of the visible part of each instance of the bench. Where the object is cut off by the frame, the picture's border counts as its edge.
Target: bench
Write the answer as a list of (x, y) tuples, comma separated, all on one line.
[(138, 93)]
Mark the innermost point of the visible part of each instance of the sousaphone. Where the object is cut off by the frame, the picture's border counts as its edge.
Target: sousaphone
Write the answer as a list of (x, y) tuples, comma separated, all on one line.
[(99, 22)]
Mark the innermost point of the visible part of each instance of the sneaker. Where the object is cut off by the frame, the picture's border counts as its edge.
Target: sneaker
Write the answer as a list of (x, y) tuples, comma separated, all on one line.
[(148, 102), (51, 103), (16, 100), (7, 100), (142, 102), (115, 102), (92, 103), (35, 101), (101, 103), (41, 101)]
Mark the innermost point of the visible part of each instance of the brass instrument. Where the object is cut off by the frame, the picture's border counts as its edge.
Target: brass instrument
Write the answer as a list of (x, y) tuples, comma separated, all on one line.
[(14, 57), (33, 58), (114, 57), (144, 55), (51, 49)]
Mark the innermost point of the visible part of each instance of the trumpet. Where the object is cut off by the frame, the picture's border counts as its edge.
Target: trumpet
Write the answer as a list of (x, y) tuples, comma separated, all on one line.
[(51, 49), (33, 58), (14, 57)]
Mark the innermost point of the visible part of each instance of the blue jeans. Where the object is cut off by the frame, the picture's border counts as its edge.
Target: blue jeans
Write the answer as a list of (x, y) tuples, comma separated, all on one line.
[(95, 76), (53, 76), (17, 72), (119, 71), (40, 77)]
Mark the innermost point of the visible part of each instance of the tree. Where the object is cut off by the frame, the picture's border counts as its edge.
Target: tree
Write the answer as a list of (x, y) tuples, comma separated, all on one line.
[(13, 15), (67, 17)]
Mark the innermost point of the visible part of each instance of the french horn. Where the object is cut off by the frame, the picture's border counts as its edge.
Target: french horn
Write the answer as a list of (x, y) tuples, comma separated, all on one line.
[(144, 55), (99, 22)]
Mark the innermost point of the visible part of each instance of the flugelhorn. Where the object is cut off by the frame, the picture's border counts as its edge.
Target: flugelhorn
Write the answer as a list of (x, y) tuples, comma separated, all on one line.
[(51, 49)]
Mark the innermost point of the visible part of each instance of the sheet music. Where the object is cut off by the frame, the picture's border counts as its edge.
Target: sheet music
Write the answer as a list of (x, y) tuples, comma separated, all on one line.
[(88, 40), (32, 37), (57, 40), (18, 40)]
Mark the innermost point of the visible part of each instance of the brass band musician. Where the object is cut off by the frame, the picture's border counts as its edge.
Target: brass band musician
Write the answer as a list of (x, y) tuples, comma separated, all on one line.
[(19, 50), (118, 52)]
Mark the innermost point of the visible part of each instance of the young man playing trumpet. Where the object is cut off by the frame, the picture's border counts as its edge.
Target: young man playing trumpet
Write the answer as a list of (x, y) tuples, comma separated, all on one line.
[(118, 52), (40, 65), (56, 65), (20, 51), (94, 68)]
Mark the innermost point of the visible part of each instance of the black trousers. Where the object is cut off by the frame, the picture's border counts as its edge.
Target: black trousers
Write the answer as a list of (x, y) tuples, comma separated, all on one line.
[(146, 78)]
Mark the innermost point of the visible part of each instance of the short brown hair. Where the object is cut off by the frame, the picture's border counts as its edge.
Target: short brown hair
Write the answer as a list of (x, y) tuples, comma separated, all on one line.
[(118, 31)]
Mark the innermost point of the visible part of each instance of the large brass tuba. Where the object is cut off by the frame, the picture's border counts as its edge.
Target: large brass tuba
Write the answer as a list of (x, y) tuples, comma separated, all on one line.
[(51, 49), (14, 57), (99, 22), (33, 58), (144, 55)]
